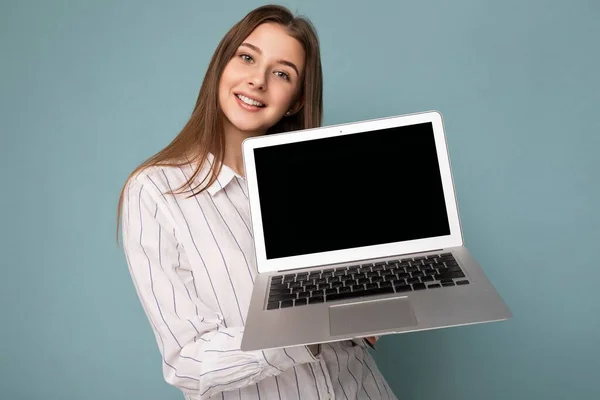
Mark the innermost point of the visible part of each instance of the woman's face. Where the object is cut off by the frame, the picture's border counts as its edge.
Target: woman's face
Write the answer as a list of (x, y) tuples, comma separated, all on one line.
[(262, 81)]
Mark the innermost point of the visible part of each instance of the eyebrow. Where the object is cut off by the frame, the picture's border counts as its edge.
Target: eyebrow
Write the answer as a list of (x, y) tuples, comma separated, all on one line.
[(283, 62)]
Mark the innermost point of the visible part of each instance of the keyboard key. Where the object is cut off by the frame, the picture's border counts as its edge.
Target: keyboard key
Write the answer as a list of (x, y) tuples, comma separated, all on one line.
[(403, 288), (279, 286), (303, 294), (372, 274), (364, 281), (398, 282), (282, 297), (337, 284), (462, 282), (413, 280), (344, 289), (339, 273), (330, 291), (372, 286), (295, 284), (301, 302), (275, 292), (363, 293), (418, 286), (377, 279), (315, 300), (287, 303), (447, 284), (378, 267), (427, 279), (272, 305), (434, 285), (302, 274), (356, 288), (310, 287), (385, 284), (450, 275)]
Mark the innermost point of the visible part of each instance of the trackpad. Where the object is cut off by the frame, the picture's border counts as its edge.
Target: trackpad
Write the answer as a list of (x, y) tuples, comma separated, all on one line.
[(355, 318)]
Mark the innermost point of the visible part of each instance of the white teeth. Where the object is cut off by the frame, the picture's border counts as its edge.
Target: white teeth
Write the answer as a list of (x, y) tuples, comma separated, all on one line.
[(250, 101)]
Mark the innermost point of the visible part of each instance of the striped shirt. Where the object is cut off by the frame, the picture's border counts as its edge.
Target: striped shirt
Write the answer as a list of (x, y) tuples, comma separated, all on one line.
[(191, 260)]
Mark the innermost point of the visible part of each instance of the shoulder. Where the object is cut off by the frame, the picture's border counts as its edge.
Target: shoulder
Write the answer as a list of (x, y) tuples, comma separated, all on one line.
[(158, 180)]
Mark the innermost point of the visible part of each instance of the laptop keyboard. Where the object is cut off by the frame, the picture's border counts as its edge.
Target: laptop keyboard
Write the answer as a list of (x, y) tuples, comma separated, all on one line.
[(397, 276)]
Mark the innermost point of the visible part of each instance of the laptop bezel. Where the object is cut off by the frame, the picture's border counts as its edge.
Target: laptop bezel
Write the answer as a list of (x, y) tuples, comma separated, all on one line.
[(454, 239)]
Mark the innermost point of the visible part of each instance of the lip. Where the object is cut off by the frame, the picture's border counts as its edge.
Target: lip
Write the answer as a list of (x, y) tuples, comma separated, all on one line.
[(247, 107), (250, 97)]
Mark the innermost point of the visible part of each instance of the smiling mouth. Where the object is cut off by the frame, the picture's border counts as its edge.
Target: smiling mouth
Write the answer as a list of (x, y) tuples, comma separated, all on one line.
[(249, 101)]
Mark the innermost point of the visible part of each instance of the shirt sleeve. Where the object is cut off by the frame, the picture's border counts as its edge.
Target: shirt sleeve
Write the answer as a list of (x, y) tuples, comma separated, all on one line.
[(200, 355)]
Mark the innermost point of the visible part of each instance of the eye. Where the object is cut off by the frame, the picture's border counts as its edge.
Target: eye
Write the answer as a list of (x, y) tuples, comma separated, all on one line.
[(283, 75), (246, 58)]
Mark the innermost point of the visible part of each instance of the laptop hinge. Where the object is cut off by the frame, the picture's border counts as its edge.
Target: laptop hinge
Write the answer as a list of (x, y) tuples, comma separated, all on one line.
[(362, 261)]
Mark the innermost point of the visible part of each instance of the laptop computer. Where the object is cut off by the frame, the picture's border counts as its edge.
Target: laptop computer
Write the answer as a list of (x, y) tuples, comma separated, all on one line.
[(357, 233)]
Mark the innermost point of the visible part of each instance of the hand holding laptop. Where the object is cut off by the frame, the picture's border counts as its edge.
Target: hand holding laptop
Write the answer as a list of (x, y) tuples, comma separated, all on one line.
[(372, 339)]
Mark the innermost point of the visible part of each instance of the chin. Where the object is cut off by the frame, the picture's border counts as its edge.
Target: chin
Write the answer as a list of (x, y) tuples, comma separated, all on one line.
[(245, 126)]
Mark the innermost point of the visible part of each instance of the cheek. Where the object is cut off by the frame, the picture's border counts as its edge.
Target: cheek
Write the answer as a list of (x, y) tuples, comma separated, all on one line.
[(284, 96), (227, 77)]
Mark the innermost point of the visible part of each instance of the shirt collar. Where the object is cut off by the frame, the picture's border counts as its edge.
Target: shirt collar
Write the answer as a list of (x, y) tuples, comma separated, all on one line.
[(223, 179)]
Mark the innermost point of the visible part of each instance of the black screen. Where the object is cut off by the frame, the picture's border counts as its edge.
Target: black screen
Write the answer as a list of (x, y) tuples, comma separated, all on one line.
[(349, 191)]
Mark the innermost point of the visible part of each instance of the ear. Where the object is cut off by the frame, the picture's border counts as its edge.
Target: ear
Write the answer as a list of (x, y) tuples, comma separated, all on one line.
[(296, 107)]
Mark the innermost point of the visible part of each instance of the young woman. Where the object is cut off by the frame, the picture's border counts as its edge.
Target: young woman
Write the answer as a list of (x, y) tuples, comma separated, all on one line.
[(186, 226)]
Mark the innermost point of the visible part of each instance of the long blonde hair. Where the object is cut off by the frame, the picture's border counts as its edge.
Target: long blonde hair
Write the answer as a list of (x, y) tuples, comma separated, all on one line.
[(203, 133)]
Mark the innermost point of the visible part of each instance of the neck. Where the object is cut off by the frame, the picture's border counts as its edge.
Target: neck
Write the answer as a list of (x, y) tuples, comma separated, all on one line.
[(233, 148)]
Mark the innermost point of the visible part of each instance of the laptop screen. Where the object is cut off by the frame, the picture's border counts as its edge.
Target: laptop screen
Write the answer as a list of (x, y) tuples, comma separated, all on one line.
[(348, 191)]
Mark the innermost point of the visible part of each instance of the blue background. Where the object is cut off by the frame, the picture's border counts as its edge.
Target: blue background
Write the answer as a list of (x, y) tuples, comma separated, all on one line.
[(88, 89)]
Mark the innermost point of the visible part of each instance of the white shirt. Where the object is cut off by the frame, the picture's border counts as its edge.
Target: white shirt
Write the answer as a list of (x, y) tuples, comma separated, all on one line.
[(192, 264)]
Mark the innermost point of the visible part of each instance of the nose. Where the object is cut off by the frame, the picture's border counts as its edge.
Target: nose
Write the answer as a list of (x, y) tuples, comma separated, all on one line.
[(258, 80)]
